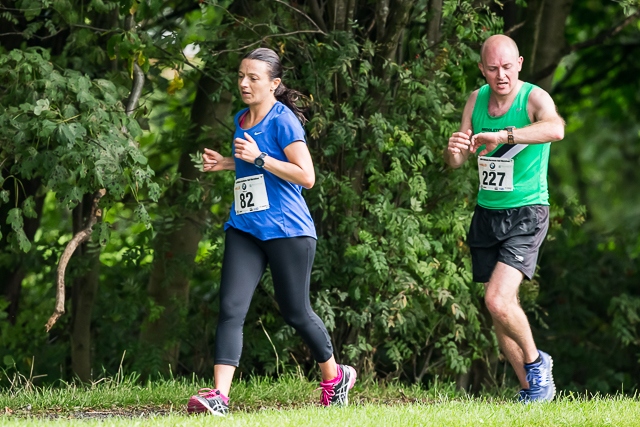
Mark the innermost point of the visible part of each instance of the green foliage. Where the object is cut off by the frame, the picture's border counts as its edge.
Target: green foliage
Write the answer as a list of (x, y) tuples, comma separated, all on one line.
[(590, 286), (69, 132), (392, 267)]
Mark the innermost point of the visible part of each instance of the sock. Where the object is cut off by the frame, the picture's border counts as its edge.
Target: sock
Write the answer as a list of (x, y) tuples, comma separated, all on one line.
[(538, 360)]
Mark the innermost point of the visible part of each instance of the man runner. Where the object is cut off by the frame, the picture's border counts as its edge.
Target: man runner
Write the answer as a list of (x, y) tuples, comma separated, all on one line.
[(510, 124)]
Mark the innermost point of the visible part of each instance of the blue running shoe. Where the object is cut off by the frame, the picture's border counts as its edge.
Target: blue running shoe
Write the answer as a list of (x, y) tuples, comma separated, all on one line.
[(523, 395), (541, 386)]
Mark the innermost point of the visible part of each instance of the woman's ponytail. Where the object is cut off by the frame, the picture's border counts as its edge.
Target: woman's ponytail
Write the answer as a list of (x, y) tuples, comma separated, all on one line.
[(289, 97)]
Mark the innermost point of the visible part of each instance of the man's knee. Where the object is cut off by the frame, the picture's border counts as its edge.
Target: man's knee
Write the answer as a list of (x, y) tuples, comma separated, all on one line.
[(498, 304)]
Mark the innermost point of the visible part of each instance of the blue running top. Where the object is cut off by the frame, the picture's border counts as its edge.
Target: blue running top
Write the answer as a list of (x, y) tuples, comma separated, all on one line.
[(288, 214)]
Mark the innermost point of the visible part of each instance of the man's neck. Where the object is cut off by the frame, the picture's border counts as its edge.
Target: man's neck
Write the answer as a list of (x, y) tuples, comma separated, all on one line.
[(500, 104)]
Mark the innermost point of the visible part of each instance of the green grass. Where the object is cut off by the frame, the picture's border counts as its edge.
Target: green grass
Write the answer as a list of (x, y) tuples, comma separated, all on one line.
[(291, 401)]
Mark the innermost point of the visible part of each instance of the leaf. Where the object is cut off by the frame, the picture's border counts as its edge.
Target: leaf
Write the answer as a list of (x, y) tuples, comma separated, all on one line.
[(23, 241), (176, 84), (102, 231), (41, 105), (111, 46), (8, 361), (70, 132), (14, 218), (28, 207), (66, 135), (69, 111), (154, 191), (140, 214), (137, 156)]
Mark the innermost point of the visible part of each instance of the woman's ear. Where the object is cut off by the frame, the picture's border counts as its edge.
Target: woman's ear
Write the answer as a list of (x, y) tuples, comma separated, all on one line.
[(275, 83)]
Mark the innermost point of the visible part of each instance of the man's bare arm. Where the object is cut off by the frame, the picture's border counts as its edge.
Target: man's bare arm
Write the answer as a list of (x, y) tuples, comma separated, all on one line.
[(547, 126)]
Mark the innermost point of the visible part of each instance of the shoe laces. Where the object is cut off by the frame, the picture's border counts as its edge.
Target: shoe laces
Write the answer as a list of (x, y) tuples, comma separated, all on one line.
[(328, 391), (209, 393), (535, 377), (328, 388)]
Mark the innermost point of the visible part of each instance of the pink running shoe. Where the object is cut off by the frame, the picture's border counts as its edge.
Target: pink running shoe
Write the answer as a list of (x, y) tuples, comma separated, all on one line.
[(209, 400), (336, 391)]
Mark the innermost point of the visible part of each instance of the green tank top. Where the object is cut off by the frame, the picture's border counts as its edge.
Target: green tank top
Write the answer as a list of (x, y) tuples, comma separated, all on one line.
[(529, 166)]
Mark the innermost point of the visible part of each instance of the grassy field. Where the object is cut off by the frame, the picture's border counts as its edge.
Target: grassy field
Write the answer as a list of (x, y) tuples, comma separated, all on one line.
[(291, 401)]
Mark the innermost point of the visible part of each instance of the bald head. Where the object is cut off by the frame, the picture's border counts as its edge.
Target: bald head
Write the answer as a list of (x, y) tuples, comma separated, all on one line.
[(500, 43), (501, 64)]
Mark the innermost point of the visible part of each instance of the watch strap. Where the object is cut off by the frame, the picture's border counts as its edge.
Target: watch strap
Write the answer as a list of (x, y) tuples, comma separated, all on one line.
[(510, 138)]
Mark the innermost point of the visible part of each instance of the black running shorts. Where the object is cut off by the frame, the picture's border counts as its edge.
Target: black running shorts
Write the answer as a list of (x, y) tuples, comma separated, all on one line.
[(510, 236)]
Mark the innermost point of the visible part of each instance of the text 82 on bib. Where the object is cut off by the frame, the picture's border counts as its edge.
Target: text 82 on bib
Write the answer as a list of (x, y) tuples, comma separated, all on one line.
[(495, 174), (250, 194)]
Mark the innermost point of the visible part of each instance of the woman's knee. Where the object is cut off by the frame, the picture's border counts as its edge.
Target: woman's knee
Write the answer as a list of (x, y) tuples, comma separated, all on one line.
[(298, 319)]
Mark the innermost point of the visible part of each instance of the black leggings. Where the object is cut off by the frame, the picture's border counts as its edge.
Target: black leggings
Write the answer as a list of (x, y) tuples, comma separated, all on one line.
[(245, 260)]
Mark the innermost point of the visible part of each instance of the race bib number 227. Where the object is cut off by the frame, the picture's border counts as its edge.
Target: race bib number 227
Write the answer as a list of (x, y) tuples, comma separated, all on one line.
[(495, 174)]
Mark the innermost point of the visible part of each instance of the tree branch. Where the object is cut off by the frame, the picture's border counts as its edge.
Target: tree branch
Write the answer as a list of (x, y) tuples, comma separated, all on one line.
[(606, 34), (315, 24), (597, 40), (77, 240), (318, 12), (268, 36), (136, 89)]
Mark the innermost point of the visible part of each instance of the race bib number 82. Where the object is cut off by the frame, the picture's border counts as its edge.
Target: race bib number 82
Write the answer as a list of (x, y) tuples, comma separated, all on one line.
[(250, 194), (495, 174)]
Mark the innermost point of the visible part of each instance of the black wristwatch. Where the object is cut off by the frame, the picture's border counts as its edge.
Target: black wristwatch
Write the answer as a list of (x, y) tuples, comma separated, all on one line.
[(259, 161), (510, 139)]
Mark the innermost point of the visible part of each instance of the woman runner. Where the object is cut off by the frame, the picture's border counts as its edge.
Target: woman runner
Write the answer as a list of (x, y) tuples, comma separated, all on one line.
[(269, 224)]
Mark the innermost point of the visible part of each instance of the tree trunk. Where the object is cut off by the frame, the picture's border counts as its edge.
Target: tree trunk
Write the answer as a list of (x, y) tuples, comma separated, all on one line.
[(435, 18), (541, 39), (340, 13), (83, 295), (175, 249), (400, 11)]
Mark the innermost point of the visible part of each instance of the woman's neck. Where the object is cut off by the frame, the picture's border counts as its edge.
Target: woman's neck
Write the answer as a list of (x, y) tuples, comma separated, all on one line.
[(257, 112)]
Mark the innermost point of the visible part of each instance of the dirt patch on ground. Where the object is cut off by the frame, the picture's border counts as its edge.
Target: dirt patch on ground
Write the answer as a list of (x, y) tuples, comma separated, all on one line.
[(155, 411), (85, 413)]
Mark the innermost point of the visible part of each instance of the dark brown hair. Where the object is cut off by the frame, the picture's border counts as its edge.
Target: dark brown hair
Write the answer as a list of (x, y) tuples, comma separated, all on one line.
[(287, 96)]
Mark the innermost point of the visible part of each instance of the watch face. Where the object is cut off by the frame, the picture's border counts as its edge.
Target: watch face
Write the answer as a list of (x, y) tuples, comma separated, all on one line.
[(259, 162)]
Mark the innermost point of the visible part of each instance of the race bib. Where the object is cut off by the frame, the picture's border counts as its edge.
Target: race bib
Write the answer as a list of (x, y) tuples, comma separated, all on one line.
[(250, 194), (496, 174)]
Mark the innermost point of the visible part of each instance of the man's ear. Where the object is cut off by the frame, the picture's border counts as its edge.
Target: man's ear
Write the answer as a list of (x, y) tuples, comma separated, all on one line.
[(481, 67)]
